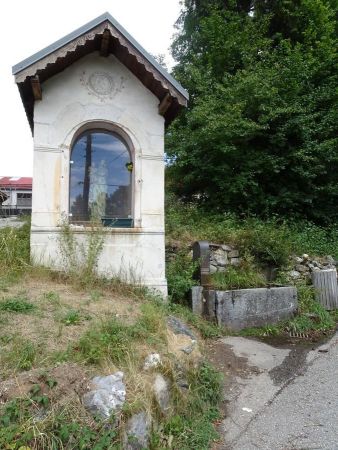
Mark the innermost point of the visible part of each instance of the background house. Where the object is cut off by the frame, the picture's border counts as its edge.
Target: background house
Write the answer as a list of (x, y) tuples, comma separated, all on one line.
[(15, 195)]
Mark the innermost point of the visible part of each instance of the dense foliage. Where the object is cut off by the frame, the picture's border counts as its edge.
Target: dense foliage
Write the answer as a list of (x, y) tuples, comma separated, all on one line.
[(260, 133)]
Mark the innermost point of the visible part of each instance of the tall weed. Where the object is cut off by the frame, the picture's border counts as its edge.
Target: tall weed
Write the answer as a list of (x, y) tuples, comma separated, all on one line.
[(14, 249), (80, 256)]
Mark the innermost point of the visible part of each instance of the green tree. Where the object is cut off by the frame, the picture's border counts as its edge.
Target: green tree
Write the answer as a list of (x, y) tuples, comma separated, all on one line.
[(260, 133)]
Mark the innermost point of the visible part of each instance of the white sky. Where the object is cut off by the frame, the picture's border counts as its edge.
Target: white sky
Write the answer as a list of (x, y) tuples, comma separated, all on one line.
[(27, 27)]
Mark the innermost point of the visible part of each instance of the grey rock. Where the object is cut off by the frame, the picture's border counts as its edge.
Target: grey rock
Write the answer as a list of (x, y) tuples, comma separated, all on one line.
[(213, 269), (179, 327), (235, 261), (226, 248), (162, 393), (189, 348), (152, 361), (137, 432), (107, 396), (221, 269), (221, 257), (294, 274), (330, 260), (182, 384), (233, 254), (300, 268), (298, 260)]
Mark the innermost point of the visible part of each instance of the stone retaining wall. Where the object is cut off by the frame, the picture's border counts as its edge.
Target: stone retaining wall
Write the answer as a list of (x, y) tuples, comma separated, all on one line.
[(242, 308), (222, 256)]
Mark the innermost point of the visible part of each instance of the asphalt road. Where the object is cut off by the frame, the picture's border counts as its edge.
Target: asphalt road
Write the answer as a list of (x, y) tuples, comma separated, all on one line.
[(304, 414)]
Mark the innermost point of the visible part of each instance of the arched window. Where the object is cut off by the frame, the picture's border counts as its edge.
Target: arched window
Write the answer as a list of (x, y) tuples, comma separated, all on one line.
[(100, 179)]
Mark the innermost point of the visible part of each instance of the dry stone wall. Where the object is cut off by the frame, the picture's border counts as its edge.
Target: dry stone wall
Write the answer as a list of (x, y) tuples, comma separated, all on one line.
[(222, 256), (304, 265)]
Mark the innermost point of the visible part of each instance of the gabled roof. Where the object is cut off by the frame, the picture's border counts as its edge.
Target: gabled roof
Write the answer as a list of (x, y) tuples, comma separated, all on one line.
[(16, 182), (106, 35)]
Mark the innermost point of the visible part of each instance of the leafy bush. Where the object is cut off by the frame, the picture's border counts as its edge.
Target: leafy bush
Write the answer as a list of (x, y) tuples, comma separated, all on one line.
[(180, 276), (268, 241), (16, 304), (260, 131), (315, 240), (72, 317)]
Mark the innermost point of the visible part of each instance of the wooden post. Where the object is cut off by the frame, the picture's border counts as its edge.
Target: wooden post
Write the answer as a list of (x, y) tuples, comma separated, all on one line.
[(36, 88), (104, 50), (325, 284), (165, 104)]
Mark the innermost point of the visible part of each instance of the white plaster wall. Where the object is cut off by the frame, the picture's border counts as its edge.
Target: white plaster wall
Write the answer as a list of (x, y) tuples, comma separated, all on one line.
[(68, 104)]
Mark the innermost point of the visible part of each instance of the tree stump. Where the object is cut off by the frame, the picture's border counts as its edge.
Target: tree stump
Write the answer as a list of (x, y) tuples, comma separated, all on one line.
[(326, 287)]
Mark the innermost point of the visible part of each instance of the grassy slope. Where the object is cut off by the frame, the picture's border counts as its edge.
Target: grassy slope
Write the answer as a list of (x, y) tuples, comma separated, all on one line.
[(89, 326), (105, 324)]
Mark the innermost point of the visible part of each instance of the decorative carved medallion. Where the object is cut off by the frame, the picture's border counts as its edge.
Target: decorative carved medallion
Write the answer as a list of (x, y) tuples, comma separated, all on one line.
[(102, 85)]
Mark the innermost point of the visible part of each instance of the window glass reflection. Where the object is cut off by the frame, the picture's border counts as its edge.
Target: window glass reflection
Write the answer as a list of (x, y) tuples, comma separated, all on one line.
[(100, 177)]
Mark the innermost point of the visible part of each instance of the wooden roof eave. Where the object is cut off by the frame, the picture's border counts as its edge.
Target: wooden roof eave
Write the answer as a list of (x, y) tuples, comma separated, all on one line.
[(105, 38)]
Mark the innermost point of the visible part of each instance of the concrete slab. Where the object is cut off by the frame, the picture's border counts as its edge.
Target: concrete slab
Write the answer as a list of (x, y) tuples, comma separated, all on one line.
[(248, 395), (258, 354)]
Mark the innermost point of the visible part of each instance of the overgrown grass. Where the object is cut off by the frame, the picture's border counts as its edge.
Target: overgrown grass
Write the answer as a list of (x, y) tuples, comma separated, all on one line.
[(192, 427), (14, 250), (107, 344), (268, 243), (20, 354), (238, 278), (69, 427), (208, 330), (114, 341), (311, 315), (61, 429)]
